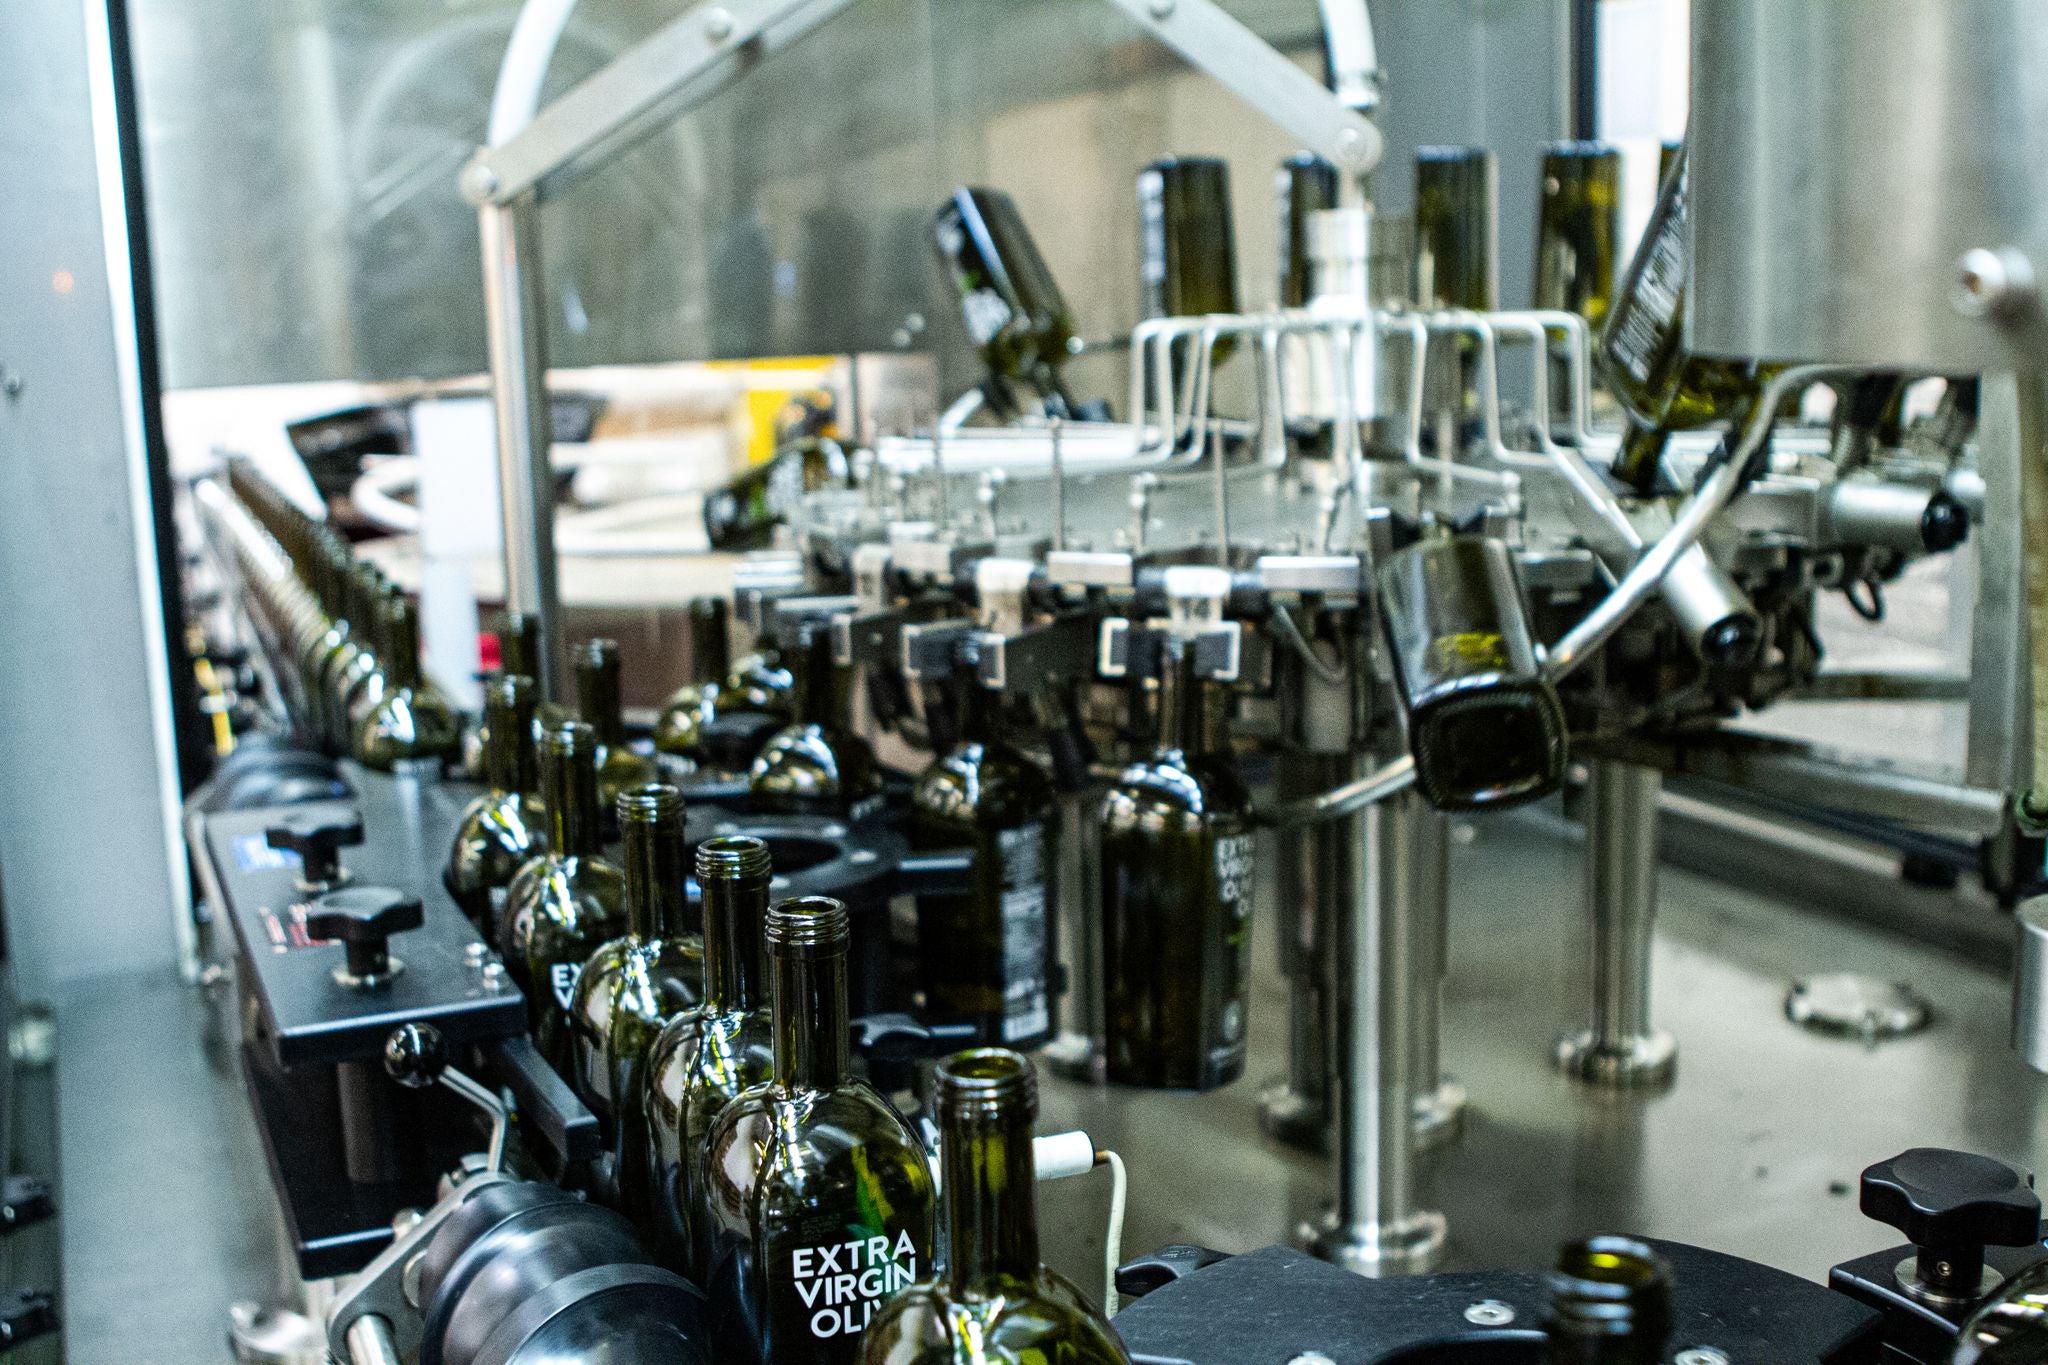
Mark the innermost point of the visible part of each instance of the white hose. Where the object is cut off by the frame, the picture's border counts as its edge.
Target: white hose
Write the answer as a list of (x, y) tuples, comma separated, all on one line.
[(1113, 1248), (535, 35)]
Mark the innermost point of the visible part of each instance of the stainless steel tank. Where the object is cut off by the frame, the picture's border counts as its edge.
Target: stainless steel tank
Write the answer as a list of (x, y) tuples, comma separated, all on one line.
[(1868, 181)]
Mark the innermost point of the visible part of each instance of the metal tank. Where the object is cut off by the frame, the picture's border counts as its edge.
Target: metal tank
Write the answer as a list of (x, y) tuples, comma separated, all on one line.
[(1868, 181)]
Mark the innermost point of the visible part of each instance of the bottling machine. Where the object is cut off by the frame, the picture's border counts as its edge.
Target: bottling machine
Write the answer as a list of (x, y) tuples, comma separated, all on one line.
[(1338, 571)]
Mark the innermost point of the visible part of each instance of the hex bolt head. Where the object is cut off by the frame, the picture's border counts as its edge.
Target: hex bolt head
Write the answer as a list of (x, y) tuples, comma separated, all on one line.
[(1490, 1313), (718, 25), (1992, 284), (1701, 1355), (1162, 9)]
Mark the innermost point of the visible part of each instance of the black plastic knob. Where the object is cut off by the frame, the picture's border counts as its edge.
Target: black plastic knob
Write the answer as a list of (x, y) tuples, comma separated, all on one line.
[(1945, 524), (317, 836), (363, 919), (415, 1055), (1951, 1205)]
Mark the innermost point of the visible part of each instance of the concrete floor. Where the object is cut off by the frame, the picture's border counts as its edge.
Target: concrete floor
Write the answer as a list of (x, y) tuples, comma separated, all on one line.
[(1755, 1151)]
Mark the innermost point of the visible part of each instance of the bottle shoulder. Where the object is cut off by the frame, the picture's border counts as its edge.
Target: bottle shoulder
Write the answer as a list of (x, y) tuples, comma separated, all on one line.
[(1044, 1317), (806, 1135), (1170, 780), (975, 781)]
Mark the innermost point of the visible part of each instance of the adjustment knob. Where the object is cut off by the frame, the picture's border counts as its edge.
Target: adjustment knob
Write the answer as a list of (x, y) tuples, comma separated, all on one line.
[(317, 836), (415, 1055), (363, 919), (1951, 1205)]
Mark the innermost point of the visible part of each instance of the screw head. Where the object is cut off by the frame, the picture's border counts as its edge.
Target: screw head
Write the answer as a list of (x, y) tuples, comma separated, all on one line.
[(718, 25), (1350, 144), (10, 383), (1490, 1313), (1311, 1358), (1992, 284), (479, 182), (1701, 1355), (1160, 10)]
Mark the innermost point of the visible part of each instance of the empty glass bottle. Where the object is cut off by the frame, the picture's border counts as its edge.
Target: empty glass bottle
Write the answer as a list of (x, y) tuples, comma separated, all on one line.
[(1187, 252), (411, 723), (817, 764), (1306, 184), (1578, 227), (986, 956), (704, 1059), (993, 1302), (690, 706), (1176, 899), (598, 696), (818, 1196), (635, 984), (569, 902), (505, 826), (364, 593), (1008, 297)]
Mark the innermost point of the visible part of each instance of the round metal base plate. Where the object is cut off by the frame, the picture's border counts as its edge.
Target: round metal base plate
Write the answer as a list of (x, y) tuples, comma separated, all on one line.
[(1856, 1006), (1286, 1115), (1644, 1062), (1073, 1057), (1410, 1246), (1439, 1116)]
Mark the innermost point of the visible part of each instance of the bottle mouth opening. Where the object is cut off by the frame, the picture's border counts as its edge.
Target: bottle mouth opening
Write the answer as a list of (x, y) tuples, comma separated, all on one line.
[(733, 857), (509, 692), (984, 1081), (816, 924), (599, 652), (1610, 1285), (652, 803), (568, 739)]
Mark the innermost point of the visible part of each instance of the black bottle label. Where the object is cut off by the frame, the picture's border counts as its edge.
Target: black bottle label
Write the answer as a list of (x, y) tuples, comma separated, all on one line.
[(835, 1288), (562, 978), (1027, 1012), (1234, 871), (1647, 311)]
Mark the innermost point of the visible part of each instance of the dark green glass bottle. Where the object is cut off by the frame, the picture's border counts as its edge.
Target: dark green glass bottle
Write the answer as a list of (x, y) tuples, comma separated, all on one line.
[(599, 699), (1176, 900), (1455, 228), (1008, 298), (635, 984), (364, 593), (1577, 227), (411, 725), (986, 956), (1306, 184), (691, 706), (703, 1060), (1187, 252), (506, 826), (566, 904), (818, 1196), (1610, 1304), (994, 1302), (364, 686), (333, 570), (817, 765), (1661, 386)]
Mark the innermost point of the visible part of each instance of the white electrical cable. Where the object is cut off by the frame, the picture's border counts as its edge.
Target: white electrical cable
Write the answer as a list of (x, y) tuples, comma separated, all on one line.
[(1113, 1248), (535, 34)]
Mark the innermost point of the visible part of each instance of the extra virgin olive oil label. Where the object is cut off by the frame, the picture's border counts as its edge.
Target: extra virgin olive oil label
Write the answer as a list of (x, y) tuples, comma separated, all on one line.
[(836, 1287), (562, 978), (1027, 1010), (1647, 311), (1234, 868)]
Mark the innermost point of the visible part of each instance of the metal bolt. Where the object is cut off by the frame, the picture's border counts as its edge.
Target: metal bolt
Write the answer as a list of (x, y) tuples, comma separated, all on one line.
[(718, 25), (10, 382), (494, 977), (861, 855), (476, 954), (1991, 284), (1350, 144), (479, 182), (1160, 10), (1311, 1358), (1701, 1355), (1490, 1313)]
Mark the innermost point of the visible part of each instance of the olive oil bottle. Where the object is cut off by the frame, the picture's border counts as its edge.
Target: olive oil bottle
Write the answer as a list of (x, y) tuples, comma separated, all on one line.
[(993, 1302), (635, 984), (1176, 898), (986, 956), (818, 1196), (1187, 251), (411, 727), (1610, 1304), (1577, 229), (817, 764), (704, 1059), (506, 826), (690, 707), (1008, 298), (599, 698), (566, 904)]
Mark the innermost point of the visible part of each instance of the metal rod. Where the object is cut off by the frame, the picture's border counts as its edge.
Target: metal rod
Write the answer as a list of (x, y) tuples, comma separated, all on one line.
[(1313, 886), (1619, 1047), (1078, 1052), (1439, 1101), (1059, 487), (1376, 1229), (370, 1342), (515, 319)]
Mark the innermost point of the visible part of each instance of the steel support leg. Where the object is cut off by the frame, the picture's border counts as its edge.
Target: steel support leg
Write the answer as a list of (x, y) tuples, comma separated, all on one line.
[(1077, 1051), (1620, 1048), (1376, 1228), (1313, 878), (1439, 1101)]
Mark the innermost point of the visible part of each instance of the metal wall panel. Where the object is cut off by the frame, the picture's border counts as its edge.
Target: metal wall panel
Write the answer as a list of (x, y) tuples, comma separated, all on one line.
[(90, 858), (303, 156)]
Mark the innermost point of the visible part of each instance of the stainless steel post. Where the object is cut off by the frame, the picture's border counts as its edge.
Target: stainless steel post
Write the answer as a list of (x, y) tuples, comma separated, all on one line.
[(1620, 1048), (1313, 880), (1077, 1052), (1376, 1228), (1439, 1101), (515, 318)]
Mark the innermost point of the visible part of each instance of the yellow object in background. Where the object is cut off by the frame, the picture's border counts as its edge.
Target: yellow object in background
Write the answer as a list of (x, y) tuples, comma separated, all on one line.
[(771, 384)]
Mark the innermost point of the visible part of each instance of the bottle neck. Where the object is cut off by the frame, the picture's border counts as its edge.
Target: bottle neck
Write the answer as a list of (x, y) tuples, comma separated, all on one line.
[(570, 790), (991, 1208), (508, 747), (598, 698), (810, 1018), (401, 654), (815, 680), (710, 649), (656, 907), (981, 712), (1182, 701), (735, 909)]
